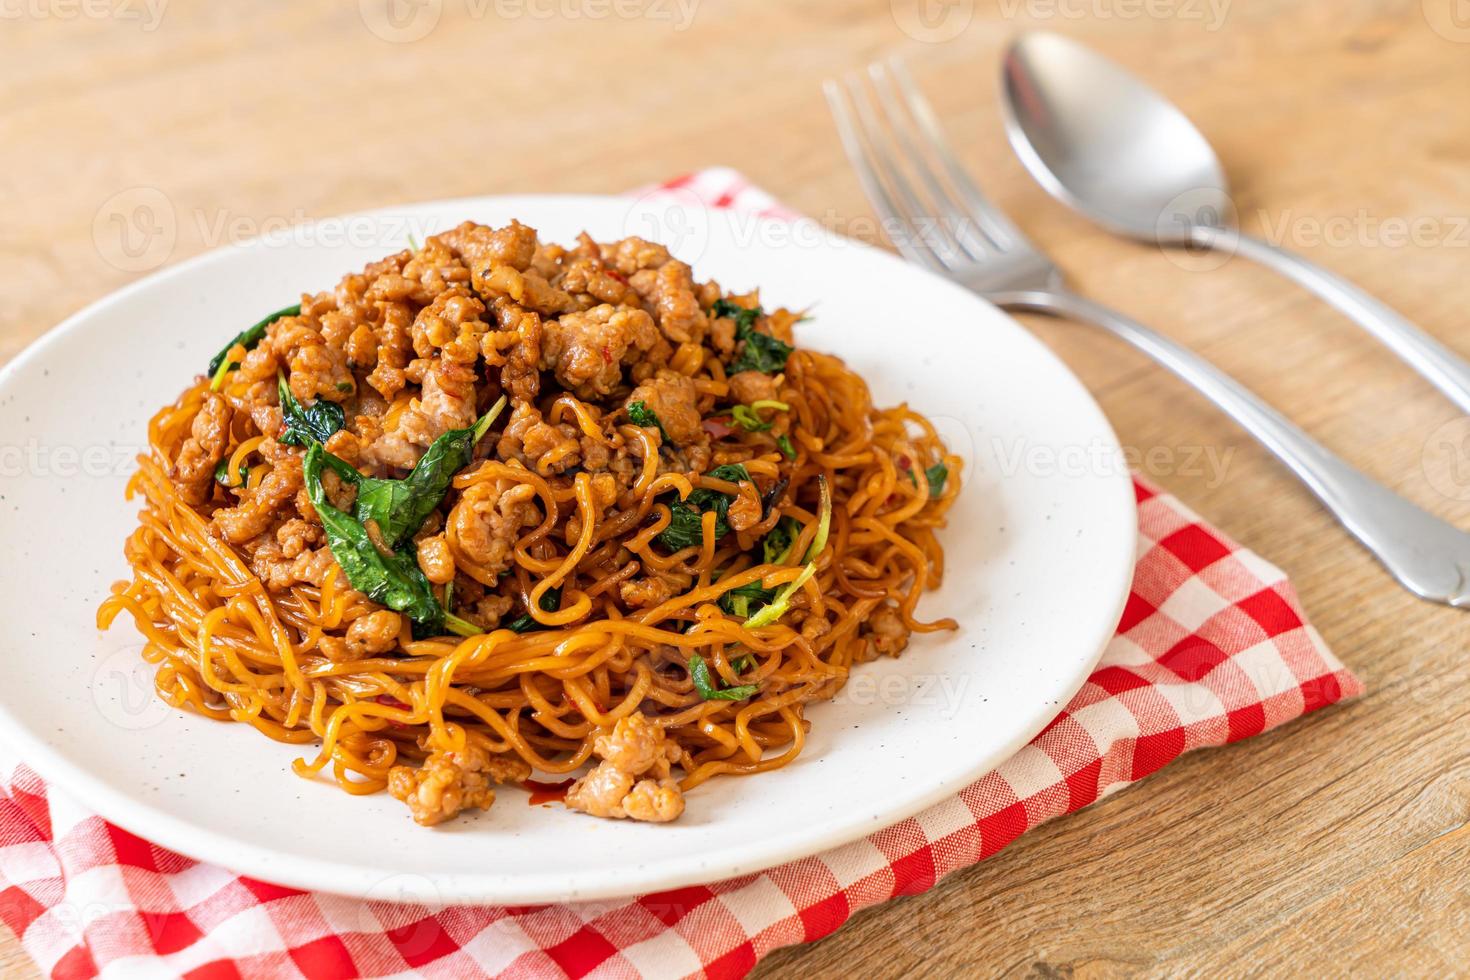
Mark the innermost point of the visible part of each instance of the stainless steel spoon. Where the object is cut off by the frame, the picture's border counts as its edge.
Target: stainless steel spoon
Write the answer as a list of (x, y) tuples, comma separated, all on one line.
[(1104, 143), (950, 227)]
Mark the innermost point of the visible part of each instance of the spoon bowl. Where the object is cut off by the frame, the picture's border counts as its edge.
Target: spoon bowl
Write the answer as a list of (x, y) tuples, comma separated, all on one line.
[(1104, 143), (1107, 144)]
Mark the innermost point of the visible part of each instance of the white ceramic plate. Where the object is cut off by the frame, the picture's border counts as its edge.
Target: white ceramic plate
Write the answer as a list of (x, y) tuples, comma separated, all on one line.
[(1039, 549)]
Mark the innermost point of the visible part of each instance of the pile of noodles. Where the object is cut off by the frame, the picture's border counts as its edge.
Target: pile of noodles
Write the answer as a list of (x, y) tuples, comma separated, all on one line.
[(229, 649)]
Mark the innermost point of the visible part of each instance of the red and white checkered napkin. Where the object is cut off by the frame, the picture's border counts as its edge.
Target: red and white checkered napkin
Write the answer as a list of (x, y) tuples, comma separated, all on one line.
[(1212, 648)]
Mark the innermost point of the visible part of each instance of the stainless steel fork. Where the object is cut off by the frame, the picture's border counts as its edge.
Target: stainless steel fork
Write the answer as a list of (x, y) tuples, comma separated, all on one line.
[(938, 218)]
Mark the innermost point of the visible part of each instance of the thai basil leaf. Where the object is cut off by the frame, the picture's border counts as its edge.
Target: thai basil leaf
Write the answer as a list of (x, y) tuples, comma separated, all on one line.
[(393, 580), (643, 417), (526, 623), (783, 443), (761, 352), (937, 475), (686, 525), (708, 686), (400, 507), (316, 422), (730, 473), (745, 599), (222, 475), (743, 316), (248, 339), (686, 528), (780, 541)]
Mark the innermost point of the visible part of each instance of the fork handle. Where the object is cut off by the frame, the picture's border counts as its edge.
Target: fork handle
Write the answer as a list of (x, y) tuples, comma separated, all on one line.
[(1427, 555), (1443, 368)]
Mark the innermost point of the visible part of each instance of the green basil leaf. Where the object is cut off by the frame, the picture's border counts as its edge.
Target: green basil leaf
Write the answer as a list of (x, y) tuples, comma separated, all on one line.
[(761, 352), (745, 599), (393, 580), (640, 415), (708, 686), (783, 443), (780, 541), (526, 623), (247, 338), (222, 474), (937, 474), (316, 422), (686, 525), (401, 506), (744, 316), (730, 473), (686, 528)]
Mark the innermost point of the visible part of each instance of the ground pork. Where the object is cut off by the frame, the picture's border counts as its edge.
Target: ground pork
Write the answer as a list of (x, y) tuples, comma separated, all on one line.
[(481, 246), (377, 632), (435, 559), (452, 324), (489, 518), (645, 593), (632, 781), (548, 447), (745, 510), (278, 571), (670, 291), (258, 508), (885, 632), (209, 434), (516, 349), (587, 351), (592, 284), (673, 398), (449, 782), (752, 386), (395, 347), (447, 402)]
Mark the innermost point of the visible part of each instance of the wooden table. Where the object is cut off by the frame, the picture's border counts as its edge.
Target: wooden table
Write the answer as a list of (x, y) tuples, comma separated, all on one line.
[(1337, 844)]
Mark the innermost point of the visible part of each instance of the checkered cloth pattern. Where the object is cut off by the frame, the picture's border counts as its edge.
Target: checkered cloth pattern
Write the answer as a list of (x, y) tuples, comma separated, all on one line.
[(1212, 648)]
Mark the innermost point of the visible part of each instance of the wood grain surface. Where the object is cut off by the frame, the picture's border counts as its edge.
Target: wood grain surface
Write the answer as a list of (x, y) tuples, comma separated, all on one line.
[(132, 136)]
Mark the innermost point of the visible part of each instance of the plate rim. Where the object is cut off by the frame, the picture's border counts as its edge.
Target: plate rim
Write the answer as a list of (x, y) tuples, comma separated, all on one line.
[(200, 843)]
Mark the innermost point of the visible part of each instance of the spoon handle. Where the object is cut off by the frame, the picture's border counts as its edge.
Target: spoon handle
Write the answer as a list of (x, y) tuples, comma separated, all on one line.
[(1427, 555), (1444, 369)]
